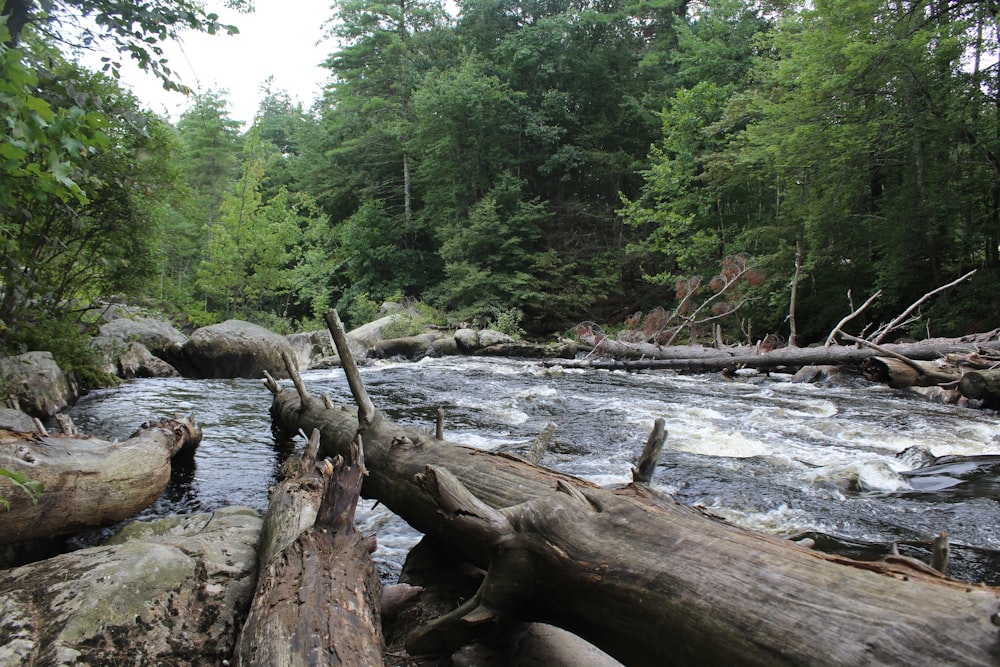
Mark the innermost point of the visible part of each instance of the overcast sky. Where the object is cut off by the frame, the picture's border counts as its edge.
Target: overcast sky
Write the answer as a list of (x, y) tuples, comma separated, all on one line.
[(278, 39)]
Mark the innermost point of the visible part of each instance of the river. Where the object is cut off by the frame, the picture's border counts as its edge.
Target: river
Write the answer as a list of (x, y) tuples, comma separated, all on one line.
[(857, 468)]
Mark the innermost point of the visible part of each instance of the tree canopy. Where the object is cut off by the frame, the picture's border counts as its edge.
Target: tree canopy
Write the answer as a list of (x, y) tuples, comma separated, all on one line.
[(568, 160)]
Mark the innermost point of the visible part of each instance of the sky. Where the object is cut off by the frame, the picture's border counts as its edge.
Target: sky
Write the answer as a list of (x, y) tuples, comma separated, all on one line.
[(278, 39)]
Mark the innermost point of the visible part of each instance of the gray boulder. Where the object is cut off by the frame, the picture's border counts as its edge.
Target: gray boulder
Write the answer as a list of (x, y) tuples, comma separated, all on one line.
[(133, 345), (311, 348), (236, 349), (170, 592), (158, 336), (15, 420), (37, 384)]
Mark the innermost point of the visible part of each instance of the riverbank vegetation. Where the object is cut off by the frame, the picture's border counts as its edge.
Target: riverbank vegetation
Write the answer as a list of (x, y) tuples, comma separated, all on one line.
[(569, 161)]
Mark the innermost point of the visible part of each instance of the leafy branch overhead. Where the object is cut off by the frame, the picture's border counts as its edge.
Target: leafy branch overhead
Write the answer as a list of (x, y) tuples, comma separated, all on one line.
[(133, 28)]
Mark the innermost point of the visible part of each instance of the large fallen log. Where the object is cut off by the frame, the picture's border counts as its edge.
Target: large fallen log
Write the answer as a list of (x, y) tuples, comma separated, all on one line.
[(984, 384), (648, 580), (317, 599), (641, 356), (87, 482)]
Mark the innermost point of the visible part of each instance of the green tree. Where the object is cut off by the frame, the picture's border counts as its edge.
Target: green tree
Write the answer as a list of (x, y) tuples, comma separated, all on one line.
[(881, 140), (135, 29), (60, 243), (211, 150)]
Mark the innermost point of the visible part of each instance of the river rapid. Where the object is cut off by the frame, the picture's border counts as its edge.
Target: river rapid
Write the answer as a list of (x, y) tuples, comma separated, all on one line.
[(857, 468)]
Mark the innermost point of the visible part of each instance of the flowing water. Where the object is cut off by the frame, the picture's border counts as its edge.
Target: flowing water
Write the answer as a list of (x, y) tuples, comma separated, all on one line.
[(857, 468)]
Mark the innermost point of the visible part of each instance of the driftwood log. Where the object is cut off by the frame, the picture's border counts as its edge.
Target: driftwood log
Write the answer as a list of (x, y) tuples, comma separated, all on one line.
[(641, 356), (317, 599), (984, 384), (648, 580), (87, 482)]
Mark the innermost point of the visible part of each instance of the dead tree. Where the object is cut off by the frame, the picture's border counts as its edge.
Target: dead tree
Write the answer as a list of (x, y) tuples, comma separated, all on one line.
[(87, 482), (648, 580), (317, 599)]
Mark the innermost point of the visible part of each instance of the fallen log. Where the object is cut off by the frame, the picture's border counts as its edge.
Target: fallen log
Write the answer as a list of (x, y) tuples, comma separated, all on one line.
[(899, 375), (984, 384), (684, 358), (87, 482), (317, 599), (648, 580), (660, 585)]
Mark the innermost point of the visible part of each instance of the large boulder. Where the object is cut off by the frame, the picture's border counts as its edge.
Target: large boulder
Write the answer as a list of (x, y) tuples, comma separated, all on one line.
[(311, 348), (133, 345), (235, 349), (37, 384), (171, 592), (159, 336)]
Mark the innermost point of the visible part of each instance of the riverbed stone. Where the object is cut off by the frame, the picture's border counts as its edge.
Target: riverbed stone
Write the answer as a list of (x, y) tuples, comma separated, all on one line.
[(15, 420), (490, 337), (37, 384), (467, 340), (311, 347), (167, 592), (236, 349), (158, 336)]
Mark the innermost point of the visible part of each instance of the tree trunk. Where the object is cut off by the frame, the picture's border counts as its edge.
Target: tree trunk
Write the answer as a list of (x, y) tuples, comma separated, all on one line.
[(900, 375), (317, 600), (700, 359), (983, 384), (667, 585), (648, 580), (86, 482)]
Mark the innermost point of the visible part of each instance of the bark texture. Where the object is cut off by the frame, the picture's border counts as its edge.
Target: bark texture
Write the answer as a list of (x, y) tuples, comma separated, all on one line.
[(317, 600), (653, 582)]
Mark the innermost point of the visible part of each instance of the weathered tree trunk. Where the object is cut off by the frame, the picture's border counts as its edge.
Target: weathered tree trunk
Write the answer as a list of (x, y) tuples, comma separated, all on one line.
[(983, 384), (86, 482), (650, 581), (687, 358), (664, 585), (317, 600), (899, 375)]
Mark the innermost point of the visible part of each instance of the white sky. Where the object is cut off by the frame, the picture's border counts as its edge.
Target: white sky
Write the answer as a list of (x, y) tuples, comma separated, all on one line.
[(278, 39)]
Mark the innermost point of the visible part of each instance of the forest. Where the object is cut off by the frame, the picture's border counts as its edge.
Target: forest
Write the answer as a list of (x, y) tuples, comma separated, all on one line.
[(543, 162)]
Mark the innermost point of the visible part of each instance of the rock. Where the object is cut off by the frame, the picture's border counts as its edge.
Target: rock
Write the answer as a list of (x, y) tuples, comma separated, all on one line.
[(363, 338), (467, 339), (311, 348), (490, 337), (15, 420), (36, 382), (139, 362), (169, 592), (133, 345), (159, 336), (413, 348), (236, 349), (444, 347)]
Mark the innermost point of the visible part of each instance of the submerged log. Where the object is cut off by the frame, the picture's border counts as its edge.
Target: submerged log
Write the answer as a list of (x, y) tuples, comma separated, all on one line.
[(87, 482), (648, 580), (317, 600)]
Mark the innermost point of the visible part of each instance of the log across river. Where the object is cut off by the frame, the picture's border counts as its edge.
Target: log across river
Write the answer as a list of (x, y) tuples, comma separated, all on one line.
[(779, 458)]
